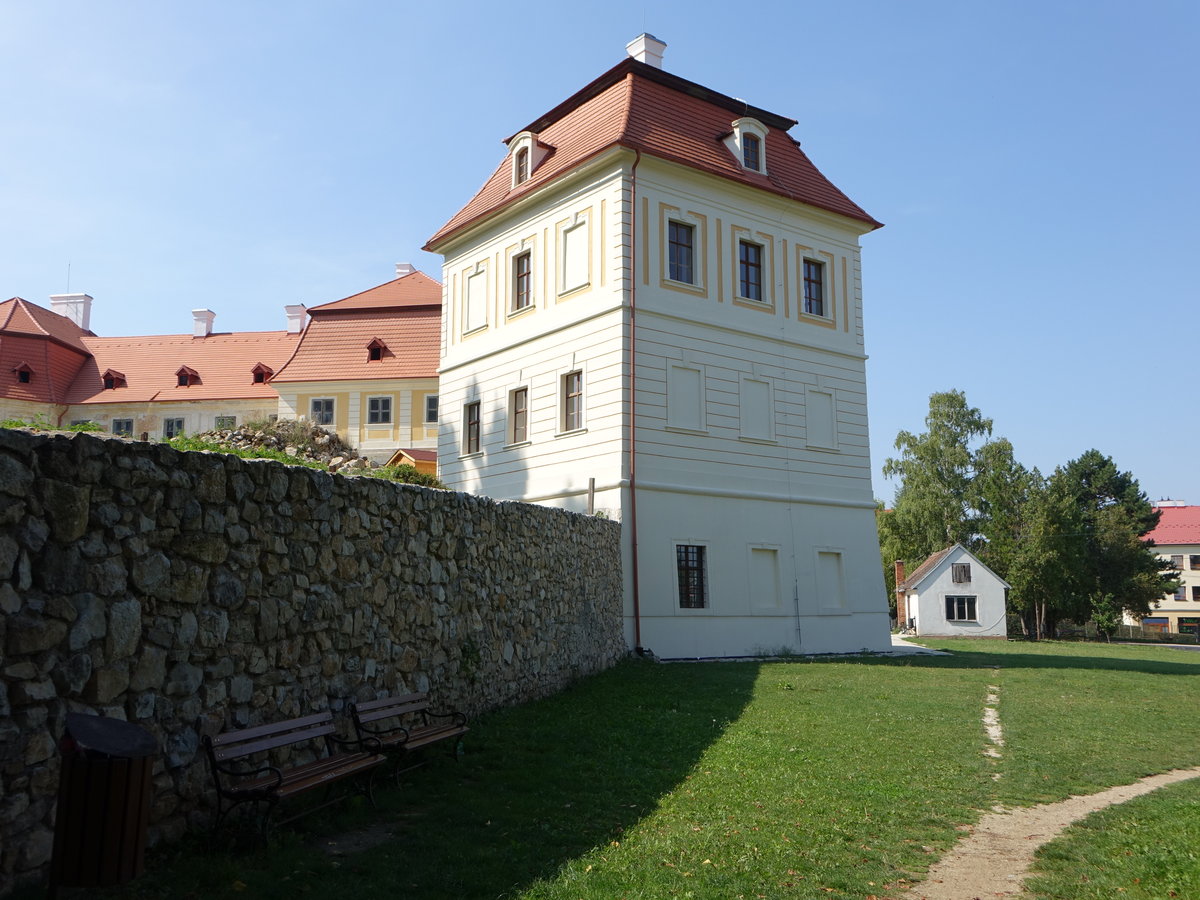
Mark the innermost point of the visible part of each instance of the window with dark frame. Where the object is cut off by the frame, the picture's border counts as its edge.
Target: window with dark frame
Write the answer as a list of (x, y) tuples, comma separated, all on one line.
[(518, 415), (24, 376), (109, 382), (431, 409), (260, 376), (1194, 560), (1196, 593), (522, 281), (379, 410), (321, 411), (172, 428), (961, 609), (572, 401), (471, 427), (1181, 593), (960, 573), (122, 426), (1177, 560), (183, 380), (750, 270), (814, 287), (522, 165), (225, 423), (751, 152), (692, 575), (681, 252), (375, 352)]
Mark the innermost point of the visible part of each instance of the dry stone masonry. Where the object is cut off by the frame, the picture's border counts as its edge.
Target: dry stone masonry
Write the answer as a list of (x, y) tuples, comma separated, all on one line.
[(192, 592)]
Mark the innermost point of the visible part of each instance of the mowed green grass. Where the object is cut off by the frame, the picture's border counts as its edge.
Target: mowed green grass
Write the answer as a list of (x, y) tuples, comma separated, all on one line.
[(824, 778)]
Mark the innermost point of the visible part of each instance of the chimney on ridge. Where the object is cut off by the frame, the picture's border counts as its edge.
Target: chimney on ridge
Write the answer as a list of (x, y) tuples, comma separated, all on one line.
[(403, 269), (202, 321), (76, 307), (295, 317), (647, 48)]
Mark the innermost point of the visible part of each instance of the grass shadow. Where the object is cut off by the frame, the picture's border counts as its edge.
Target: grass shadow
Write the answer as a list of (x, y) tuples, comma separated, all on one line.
[(1055, 656)]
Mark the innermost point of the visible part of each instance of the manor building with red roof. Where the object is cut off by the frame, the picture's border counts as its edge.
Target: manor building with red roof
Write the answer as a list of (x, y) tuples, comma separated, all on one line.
[(1177, 538)]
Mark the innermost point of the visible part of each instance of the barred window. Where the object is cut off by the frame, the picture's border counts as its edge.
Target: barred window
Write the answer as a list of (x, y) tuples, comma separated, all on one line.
[(692, 571)]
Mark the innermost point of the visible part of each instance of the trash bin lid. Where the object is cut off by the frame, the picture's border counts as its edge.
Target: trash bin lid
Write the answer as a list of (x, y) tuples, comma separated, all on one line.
[(112, 737)]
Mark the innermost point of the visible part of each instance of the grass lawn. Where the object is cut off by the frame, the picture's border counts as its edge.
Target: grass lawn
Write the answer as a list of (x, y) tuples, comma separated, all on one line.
[(829, 778)]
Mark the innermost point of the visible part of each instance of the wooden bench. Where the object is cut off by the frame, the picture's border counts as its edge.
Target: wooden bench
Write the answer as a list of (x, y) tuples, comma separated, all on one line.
[(403, 725), (243, 773)]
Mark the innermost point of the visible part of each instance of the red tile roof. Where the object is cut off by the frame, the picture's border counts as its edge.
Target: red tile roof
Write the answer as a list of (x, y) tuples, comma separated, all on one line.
[(404, 314), (643, 108), (19, 316), (1178, 525), (924, 569), (223, 362)]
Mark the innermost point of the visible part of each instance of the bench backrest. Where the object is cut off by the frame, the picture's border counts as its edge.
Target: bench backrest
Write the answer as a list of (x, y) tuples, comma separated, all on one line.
[(238, 744), (390, 707)]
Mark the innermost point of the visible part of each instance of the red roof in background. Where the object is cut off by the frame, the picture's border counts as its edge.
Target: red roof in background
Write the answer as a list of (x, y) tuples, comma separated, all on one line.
[(19, 316), (223, 362), (925, 568), (405, 314), (413, 289), (1178, 525), (638, 106)]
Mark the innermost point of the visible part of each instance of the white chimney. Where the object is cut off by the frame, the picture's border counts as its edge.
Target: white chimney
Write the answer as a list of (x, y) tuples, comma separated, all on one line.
[(202, 321), (295, 317), (76, 307), (403, 269), (647, 48)]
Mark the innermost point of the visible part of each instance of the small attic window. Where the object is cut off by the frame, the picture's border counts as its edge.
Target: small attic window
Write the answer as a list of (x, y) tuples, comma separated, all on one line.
[(24, 373), (748, 144), (262, 373), (186, 377), (527, 153), (522, 166), (113, 379), (375, 350)]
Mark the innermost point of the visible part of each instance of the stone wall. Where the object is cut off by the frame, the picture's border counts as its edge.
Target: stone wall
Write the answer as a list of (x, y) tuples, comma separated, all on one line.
[(193, 592)]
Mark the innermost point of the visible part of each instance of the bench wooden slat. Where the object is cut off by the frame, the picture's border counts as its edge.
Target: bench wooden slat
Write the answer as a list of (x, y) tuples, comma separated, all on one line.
[(245, 734), (274, 742)]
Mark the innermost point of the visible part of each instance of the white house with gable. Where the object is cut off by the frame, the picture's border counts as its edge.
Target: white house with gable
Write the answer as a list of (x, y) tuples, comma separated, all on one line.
[(952, 594), (652, 310)]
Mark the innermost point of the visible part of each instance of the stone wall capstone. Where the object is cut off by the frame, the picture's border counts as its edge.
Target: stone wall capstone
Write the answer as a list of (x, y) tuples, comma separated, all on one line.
[(195, 592)]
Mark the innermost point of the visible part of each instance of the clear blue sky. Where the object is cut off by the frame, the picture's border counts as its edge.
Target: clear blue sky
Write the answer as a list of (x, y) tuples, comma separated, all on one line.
[(1035, 164)]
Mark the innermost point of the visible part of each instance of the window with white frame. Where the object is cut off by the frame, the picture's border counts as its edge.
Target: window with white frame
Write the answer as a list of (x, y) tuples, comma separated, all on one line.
[(750, 283), (172, 428), (748, 144), (752, 152), (321, 411), (691, 573), (379, 410), (572, 401), (681, 252), (518, 415), (1194, 561), (522, 286), (521, 166), (814, 287), (122, 426), (431, 409), (961, 609), (471, 423)]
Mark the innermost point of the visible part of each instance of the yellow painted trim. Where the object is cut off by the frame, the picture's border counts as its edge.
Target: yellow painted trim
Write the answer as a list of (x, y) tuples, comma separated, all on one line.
[(829, 321), (603, 213), (787, 294), (845, 299), (767, 242), (645, 241), (720, 267)]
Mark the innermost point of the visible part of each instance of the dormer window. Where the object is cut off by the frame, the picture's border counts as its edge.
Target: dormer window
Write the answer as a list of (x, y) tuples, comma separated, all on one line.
[(186, 377), (262, 373), (24, 373), (748, 144), (375, 350), (113, 379), (527, 153)]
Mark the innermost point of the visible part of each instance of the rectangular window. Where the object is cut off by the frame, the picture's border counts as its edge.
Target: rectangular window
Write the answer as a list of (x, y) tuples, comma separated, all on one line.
[(476, 301), (518, 416), (1196, 593), (751, 152), (961, 609), (572, 395), (522, 296), (814, 287), (960, 573), (379, 410), (1181, 593), (431, 409), (750, 270), (225, 423), (681, 244), (1177, 560), (692, 574), (321, 411), (1188, 625), (471, 427), (122, 426), (23, 376), (172, 428), (1194, 561)]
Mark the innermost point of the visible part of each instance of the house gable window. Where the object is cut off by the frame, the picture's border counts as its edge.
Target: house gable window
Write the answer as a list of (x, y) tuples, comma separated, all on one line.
[(681, 242), (572, 401), (522, 286), (814, 287), (518, 415), (470, 442), (960, 573), (748, 144), (526, 153), (691, 573), (752, 152), (961, 609), (321, 410), (750, 270), (521, 174), (379, 410)]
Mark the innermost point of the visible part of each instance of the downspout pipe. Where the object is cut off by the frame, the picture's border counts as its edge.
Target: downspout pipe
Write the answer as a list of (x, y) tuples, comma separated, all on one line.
[(633, 534)]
